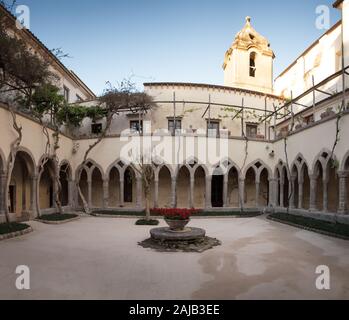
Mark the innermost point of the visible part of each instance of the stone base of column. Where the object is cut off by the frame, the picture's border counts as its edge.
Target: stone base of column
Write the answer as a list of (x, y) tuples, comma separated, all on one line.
[(343, 212)]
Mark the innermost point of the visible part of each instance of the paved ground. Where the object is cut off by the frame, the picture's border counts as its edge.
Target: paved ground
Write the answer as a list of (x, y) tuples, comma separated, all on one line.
[(99, 258)]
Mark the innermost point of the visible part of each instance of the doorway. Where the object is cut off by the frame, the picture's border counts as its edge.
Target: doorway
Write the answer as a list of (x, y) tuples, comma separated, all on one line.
[(217, 191), (128, 186), (12, 199)]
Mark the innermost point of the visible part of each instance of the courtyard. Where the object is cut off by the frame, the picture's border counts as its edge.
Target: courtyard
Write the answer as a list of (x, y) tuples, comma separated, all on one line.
[(99, 258)]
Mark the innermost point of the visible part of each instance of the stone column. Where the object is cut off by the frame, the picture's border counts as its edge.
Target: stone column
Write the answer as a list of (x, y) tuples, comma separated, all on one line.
[(156, 193), (106, 193), (173, 192), (241, 192), (282, 202), (277, 204), (292, 189), (191, 192), (121, 195), (89, 188), (33, 195), (272, 192), (257, 193), (208, 188), (71, 185), (300, 193), (76, 197), (325, 195), (139, 192), (2, 192), (313, 185), (225, 191), (343, 195)]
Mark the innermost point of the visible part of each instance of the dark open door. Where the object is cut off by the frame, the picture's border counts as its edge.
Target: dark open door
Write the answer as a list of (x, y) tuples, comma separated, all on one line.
[(217, 191), (128, 186)]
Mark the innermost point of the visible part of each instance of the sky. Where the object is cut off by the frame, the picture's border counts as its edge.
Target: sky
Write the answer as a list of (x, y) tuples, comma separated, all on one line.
[(168, 40)]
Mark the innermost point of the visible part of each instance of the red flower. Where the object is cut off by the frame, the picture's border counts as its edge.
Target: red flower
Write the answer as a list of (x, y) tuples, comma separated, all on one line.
[(175, 213)]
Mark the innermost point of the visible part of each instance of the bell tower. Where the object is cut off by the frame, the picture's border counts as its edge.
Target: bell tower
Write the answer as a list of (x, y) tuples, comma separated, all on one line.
[(248, 63)]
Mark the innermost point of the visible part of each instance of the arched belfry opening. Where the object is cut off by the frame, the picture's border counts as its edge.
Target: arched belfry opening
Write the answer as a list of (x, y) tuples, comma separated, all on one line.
[(253, 64)]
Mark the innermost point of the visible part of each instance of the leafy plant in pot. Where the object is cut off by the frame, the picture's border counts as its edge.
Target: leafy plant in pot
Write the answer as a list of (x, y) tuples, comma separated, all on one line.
[(177, 219)]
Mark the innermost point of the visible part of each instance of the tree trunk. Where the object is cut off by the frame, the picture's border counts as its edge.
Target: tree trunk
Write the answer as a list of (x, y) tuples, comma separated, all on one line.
[(57, 187), (147, 205), (11, 161), (57, 183), (86, 206)]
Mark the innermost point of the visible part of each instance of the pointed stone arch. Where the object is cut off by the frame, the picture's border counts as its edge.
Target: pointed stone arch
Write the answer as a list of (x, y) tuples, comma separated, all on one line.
[(97, 187), (258, 166), (46, 187), (225, 165), (22, 190), (344, 166), (164, 189), (119, 164), (193, 164), (322, 158), (92, 184), (132, 187), (299, 163), (183, 187), (30, 159), (89, 167)]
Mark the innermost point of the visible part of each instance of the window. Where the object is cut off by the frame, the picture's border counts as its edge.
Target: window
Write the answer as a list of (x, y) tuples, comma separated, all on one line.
[(213, 128), (66, 93), (96, 128), (78, 98), (171, 125), (252, 64), (136, 125), (251, 130)]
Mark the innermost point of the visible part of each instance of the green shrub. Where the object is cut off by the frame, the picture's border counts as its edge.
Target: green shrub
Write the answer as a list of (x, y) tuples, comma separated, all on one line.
[(330, 227), (57, 217), (144, 222), (6, 228)]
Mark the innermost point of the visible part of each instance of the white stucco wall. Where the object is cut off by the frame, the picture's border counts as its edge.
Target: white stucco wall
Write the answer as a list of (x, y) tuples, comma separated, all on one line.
[(321, 60), (33, 140), (237, 71)]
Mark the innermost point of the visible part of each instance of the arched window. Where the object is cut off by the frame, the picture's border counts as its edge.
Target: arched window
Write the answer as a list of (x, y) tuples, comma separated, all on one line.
[(252, 64)]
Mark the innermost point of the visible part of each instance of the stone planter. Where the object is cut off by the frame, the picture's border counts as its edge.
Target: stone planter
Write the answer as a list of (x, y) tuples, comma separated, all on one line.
[(177, 225)]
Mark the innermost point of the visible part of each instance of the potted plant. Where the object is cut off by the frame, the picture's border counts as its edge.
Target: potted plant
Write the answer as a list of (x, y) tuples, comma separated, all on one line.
[(329, 112), (177, 219)]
